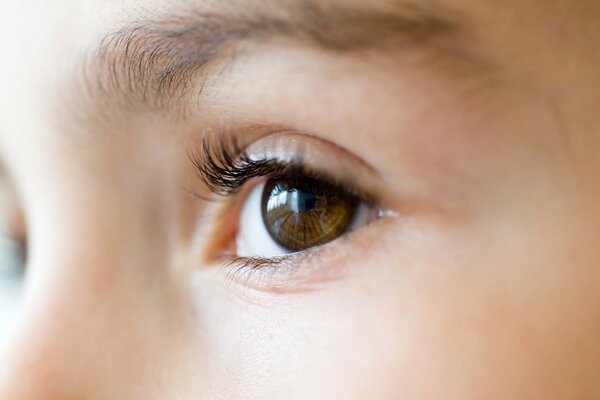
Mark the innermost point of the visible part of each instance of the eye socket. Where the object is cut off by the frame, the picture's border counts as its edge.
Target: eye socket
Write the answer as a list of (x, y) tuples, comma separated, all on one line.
[(293, 214), (287, 193)]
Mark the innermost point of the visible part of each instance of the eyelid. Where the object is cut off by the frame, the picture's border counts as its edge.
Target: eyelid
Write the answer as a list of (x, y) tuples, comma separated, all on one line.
[(316, 158)]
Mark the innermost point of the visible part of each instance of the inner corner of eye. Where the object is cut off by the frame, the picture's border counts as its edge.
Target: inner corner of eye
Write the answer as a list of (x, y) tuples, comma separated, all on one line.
[(224, 234)]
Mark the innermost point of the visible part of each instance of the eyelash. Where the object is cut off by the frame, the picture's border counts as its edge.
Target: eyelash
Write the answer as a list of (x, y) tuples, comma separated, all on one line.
[(224, 167)]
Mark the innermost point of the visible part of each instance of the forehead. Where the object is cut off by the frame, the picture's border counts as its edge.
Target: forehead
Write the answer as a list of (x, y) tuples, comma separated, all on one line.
[(40, 37), (42, 40), (46, 28)]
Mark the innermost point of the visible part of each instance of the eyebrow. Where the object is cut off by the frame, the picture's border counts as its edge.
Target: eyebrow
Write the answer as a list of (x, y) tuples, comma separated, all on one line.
[(154, 64)]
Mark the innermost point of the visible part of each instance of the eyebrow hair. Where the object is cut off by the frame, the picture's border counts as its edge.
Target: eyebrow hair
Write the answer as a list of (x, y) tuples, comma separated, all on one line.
[(154, 64)]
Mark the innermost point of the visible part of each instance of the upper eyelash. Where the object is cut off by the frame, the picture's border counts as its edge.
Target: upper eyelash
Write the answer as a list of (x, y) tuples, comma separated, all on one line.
[(224, 166)]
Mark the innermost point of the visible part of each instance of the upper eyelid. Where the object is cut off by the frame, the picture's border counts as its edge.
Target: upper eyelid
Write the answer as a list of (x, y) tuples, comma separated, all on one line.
[(224, 167), (227, 158)]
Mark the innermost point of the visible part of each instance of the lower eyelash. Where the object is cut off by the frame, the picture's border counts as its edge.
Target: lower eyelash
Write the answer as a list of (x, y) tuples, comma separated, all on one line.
[(244, 268), (276, 272)]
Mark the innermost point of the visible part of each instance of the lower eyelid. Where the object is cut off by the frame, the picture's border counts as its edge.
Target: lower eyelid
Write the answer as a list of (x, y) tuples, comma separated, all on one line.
[(290, 273), (302, 271)]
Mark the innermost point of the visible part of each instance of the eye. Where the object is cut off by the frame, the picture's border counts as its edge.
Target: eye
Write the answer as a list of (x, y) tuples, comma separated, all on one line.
[(293, 214), (282, 193)]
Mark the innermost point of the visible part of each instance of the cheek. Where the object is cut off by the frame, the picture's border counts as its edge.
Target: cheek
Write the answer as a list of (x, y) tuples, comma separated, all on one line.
[(460, 315), (485, 305)]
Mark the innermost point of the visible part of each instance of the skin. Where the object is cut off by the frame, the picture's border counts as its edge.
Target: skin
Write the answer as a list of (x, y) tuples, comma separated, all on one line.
[(483, 283)]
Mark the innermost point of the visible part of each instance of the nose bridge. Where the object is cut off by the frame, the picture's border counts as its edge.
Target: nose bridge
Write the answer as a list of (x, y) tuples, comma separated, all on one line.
[(36, 367), (63, 342), (83, 328), (102, 313)]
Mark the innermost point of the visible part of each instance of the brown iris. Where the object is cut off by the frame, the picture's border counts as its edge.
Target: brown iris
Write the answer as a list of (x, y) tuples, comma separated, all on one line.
[(300, 213)]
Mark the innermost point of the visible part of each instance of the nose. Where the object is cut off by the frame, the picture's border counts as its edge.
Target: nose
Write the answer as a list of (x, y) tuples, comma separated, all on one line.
[(91, 327)]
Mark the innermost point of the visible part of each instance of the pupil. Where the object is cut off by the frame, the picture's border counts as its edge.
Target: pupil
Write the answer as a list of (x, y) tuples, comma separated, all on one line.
[(306, 201)]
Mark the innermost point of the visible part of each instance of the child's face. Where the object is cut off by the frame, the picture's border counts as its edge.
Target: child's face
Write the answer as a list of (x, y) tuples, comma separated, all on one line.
[(434, 167)]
